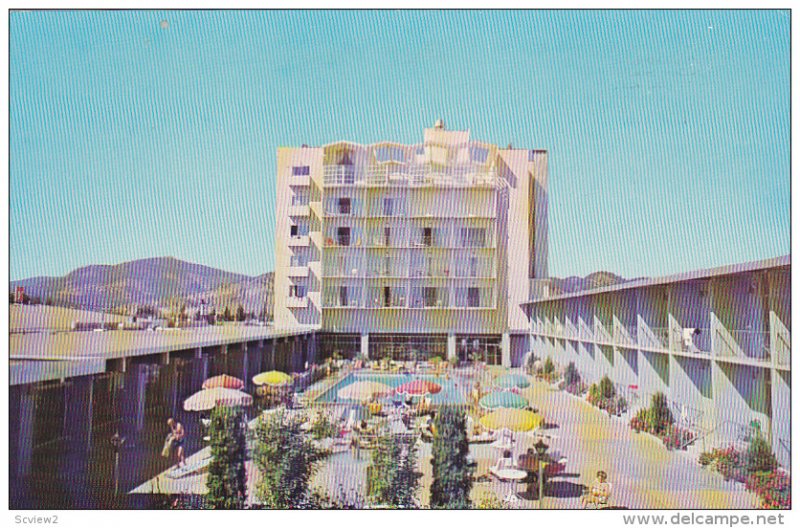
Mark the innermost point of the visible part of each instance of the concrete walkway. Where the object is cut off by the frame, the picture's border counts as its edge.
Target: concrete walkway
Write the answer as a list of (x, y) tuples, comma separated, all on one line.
[(644, 474)]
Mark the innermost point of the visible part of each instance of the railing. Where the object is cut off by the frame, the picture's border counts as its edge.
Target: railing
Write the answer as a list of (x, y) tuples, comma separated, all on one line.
[(752, 343), (691, 340), (424, 174), (653, 337), (339, 175), (600, 332), (624, 335)]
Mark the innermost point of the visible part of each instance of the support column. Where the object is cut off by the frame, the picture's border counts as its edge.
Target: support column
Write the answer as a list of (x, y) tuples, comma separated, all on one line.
[(198, 352), (505, 350), (452, 356), (78, 400), (312, 349), (365, 345), (24, 433), (163, 359)]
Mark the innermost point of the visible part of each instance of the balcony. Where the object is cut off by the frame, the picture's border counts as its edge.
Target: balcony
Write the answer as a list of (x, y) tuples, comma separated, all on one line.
[(299, 181), (623, 335), (299, 241), (299, 210), (297, 302), (297, 271), (340, 175)]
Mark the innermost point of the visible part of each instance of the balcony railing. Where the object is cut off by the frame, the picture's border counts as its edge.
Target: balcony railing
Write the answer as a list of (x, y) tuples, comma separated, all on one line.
[(340, 175), (299, 241), (752, 344), (297, 302), (691, 340)]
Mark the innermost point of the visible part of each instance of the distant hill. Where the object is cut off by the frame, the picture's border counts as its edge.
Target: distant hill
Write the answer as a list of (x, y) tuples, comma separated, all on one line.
[(162, 282), (598, 279)]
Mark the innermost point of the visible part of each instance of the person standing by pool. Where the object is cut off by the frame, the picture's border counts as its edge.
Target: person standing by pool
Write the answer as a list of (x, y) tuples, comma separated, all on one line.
[(178, 434)]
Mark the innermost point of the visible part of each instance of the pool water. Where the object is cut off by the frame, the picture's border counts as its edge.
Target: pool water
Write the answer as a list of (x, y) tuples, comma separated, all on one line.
[(455, 389)]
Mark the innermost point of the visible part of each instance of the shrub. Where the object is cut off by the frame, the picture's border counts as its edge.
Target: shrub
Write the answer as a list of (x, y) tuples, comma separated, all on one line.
[(392, 477), (323, 427), (286, 460), (760, 457), (571, 376), (660, 416), (549, 368), (706, 458), (227, 478), (452, 474), (640, 421), (606, 387)]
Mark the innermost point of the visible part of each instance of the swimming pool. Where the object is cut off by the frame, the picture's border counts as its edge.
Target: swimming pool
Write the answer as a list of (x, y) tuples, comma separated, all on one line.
[(454, 390)]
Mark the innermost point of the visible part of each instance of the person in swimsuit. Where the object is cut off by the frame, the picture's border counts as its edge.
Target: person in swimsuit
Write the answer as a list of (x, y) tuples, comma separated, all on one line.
[(178, 434)]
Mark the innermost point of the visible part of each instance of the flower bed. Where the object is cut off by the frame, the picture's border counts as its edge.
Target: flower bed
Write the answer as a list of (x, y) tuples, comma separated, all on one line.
[(755, 468), (604, 396), (773, 489), (658, 421)]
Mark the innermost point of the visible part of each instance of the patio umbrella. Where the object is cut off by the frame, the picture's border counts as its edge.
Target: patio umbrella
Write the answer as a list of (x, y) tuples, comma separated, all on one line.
[(273, 377), (363, 391), (207, 399), (503, 400), (419, 388), (512, 381), (516, 420), (224, 382)]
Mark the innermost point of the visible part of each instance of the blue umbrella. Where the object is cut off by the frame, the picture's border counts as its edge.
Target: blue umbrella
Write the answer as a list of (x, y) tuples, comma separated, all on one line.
[(510, 381), (503, 400)]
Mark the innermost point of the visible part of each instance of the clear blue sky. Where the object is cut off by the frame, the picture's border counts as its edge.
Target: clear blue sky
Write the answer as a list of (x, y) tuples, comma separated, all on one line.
[(668, 132)]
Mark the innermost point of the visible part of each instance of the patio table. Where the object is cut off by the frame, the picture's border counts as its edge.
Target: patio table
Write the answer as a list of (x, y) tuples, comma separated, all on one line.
[(514, 476)]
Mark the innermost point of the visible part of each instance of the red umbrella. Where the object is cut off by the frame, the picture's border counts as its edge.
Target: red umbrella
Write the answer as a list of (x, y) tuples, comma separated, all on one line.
[(223, 382), (419, 387)]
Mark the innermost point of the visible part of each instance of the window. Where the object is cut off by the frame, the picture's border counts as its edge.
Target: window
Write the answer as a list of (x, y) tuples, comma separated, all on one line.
[(473, 237), (387, 296), (344, 206), (387, 236), (296, 290), (473, 297), (342, 295), (302, 170), (427, 236), (300, 199), (343, 236), (430, 296), (298, 260), (294, 231), (388, 207)]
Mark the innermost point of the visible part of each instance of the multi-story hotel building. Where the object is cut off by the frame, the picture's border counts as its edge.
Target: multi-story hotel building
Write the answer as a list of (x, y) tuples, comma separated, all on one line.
[(716, 342), (411, 251)]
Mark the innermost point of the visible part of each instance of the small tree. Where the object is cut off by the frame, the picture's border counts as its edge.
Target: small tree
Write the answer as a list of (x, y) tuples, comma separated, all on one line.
[(571, 375), (227, 479), (607, 389), (240, 314), (660, 416), (549, 367), (226, 316), (760, 457), (287, 461), (452, 474), (392, 477)]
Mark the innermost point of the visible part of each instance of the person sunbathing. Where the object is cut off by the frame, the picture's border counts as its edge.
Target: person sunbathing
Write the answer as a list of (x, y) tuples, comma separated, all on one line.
[(599, 492)]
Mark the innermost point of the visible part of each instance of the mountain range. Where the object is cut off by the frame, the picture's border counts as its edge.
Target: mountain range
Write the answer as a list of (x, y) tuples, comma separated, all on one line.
[(162, 282), (170, 283), (598, 279)]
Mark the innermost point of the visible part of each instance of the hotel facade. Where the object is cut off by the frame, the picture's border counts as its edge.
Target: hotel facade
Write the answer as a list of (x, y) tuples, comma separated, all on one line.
[(411, 251), (716, 342)]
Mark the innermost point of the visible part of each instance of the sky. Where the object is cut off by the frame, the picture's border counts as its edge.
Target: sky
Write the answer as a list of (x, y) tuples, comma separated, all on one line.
[(154, 133)]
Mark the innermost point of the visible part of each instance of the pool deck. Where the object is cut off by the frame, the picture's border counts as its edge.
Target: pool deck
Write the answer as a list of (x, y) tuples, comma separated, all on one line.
[(643, 473)]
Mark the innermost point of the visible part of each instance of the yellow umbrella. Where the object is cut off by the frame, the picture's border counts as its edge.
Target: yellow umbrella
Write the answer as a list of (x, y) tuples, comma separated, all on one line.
[(273, 377), (363, 391), (516, 420)]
